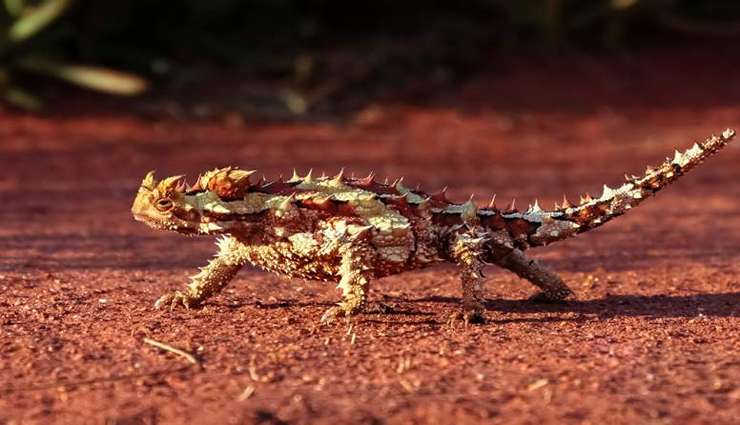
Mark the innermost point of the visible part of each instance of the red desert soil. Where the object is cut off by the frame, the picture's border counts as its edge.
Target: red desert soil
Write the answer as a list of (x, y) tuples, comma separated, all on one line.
[(652, 338)]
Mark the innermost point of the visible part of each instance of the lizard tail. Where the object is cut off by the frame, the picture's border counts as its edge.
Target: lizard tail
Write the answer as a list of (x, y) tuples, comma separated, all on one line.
[(568, 220)]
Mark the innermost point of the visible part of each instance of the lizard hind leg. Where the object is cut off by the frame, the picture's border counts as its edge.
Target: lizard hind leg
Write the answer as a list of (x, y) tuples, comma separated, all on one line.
[(553, 288)]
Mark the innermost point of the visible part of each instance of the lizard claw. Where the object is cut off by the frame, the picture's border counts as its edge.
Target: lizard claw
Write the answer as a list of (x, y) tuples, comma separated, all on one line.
[(476, 317), (330, 315), (378, 308), (174, 300), (553, 297)]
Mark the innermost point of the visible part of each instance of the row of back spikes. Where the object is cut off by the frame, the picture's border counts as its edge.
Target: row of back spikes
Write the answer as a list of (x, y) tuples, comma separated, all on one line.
[(235, 176), (440, 195)]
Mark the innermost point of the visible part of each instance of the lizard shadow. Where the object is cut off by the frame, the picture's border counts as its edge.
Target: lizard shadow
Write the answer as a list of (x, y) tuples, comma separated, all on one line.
[(394, 308), (652, 306)]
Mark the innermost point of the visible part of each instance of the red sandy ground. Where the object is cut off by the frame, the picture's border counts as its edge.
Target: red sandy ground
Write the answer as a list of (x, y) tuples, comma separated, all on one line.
[(652, 338)]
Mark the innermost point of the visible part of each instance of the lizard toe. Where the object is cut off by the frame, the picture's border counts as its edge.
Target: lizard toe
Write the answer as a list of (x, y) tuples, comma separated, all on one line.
[(550, 297), (330, 315), (173, 300)]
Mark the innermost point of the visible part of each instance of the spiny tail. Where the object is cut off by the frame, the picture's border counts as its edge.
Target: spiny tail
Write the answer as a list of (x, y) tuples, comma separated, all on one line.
[(590, 213)]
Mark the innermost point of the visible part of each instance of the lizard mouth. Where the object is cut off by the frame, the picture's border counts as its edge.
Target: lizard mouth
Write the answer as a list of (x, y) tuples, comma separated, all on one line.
[(173, 224)]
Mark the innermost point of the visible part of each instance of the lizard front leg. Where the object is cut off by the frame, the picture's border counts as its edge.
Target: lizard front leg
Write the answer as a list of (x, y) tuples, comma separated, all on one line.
[(210, 280), (466, 250), (355, 270)]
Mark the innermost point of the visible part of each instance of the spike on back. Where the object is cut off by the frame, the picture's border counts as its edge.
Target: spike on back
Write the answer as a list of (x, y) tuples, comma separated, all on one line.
[(295, 178), (534, 209), (440, 196), (366, 181), (492, 204), (469, 210), (566, 204), (608, 192), (586, 198), (228, 183)]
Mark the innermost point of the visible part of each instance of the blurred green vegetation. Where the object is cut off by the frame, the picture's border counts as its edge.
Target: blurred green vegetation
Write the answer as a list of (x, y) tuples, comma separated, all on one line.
[(28, 46), (286, 38)]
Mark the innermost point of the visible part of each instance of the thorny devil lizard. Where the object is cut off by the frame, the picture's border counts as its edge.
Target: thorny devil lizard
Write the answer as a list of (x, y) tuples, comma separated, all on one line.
[(353, 230)]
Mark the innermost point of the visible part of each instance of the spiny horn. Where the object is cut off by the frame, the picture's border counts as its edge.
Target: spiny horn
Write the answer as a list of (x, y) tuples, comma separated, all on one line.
[(170, 185), (182, 186), (148, 182)]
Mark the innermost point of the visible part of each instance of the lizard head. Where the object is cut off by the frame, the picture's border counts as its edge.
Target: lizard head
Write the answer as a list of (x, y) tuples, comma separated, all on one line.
[(215, 204)]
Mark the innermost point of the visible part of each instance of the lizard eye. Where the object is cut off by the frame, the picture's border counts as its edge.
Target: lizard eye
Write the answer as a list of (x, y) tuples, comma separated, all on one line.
[(164, 204)]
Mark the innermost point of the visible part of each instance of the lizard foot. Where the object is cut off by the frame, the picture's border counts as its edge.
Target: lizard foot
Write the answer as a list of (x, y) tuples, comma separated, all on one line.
[(378, 308), (333, 313), (552, 297), (174, 300), (330, 315), (476, 317)]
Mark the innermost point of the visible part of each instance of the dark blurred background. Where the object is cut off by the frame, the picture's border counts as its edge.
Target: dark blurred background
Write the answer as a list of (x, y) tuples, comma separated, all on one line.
[(318, 55)]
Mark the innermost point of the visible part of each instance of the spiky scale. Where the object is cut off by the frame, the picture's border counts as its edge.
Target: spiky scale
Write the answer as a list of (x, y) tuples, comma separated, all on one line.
[(607, 193), (366, 181), (440, 196), (566, 203), (469, 210), (287, 203)]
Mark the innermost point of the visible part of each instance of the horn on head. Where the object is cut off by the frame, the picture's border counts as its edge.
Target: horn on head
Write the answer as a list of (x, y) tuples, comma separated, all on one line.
[(149, 182)]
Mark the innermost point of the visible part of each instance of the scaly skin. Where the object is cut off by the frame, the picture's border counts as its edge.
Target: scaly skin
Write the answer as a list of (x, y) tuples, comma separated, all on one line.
[(351, 231)]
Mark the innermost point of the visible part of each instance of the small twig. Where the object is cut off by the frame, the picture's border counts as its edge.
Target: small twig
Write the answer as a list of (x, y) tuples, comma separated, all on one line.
[(253, 369), (246, 393), (184, 354)]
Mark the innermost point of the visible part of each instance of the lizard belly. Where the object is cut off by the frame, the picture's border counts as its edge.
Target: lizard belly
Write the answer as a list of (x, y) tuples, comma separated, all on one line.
[(283, 258), (316, 255)]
